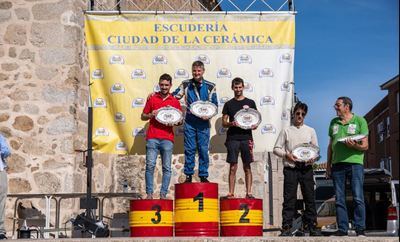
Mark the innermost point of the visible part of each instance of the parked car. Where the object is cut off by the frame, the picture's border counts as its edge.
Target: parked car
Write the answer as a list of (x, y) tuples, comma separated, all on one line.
[(381, 196)]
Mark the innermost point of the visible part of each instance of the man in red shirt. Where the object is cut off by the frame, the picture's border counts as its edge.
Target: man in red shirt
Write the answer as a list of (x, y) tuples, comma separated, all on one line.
[(160, 137)]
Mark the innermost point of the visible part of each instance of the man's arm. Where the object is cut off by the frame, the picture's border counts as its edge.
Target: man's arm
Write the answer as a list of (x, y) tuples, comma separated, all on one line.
[(147, 113), (329, 159), (179, 92), (226, 123), (361, 145), (4, 150), (213, 96)]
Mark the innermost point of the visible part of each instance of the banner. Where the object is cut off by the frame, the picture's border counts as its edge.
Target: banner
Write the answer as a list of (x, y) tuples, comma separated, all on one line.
[(129, 52)]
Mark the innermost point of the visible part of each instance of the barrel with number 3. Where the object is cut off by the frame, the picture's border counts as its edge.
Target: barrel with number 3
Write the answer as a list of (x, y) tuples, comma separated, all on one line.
[(151, 218), (241, 217), (196, 209)]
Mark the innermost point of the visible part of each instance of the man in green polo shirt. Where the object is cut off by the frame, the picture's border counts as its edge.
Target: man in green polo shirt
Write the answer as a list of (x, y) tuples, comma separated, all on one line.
[(345, 161)]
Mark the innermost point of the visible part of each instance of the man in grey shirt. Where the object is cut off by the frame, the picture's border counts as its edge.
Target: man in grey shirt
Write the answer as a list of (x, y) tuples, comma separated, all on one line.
[(297, 172)]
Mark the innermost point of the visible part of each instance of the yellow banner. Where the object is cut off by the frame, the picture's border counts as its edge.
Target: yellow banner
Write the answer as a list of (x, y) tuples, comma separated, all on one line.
[(128, 52)]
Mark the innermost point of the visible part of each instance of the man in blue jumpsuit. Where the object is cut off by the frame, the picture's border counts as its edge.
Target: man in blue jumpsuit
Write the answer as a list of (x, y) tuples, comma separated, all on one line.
[(196, 130)]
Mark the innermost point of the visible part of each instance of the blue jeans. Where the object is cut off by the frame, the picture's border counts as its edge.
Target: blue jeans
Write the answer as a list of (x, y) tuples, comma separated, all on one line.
[(165, 147), (355, 174), (196, 138)]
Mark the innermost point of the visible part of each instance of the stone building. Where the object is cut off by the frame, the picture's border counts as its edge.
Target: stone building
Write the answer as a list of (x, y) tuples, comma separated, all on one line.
[(43, 113)]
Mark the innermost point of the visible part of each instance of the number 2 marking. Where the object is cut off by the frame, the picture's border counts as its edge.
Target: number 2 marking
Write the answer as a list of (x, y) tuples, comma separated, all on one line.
[(246, 209)]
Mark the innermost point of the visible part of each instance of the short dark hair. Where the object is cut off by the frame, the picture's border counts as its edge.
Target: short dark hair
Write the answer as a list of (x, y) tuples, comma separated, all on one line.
[(198, 64), (300, 105), (237, 80), (166, 77), (346, 101)]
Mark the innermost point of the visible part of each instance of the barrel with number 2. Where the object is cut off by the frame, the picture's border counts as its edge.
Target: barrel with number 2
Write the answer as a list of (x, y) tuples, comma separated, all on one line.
[(241, 217), (196, 209), (151, 218)]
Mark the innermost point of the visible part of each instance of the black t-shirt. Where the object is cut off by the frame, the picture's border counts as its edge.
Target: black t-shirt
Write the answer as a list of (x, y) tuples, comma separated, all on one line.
[(231, 108)]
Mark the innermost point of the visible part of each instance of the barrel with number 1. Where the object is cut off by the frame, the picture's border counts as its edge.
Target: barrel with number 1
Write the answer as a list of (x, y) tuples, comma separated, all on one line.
[(151, 218), (196, 209), (241, 217)]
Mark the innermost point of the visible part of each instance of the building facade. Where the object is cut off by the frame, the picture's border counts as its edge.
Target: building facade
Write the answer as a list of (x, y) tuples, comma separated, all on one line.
[(383, 124)]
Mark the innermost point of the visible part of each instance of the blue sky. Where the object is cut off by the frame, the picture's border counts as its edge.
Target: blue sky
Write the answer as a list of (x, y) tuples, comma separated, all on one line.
[(343, 48)]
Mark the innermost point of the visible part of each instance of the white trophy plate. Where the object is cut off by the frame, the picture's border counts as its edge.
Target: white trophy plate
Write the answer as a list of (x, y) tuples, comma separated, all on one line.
[(356, 137), (203, 109), (169, 115), (305, 152), (247, 118)]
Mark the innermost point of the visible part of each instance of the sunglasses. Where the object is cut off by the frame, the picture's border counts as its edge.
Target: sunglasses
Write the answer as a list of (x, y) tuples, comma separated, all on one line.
[(303, 114)]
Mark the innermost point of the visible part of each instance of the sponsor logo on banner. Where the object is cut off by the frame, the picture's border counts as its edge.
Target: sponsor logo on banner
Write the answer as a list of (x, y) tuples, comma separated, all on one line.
[(285, 114), (244, 59), (121, 146), (97, 74), (224, 73), (139, 131), (117, 88), (100, 103), (267, 100), (102, 132), (179, 131), (222, 130), (159, 59), (266, 72), (138, 102), (203, 58), (248, 87), (116, 59), (285, 87), (119, 117), (222, 101), (287, 57), (181, 73), (138, 74), (268, 129)]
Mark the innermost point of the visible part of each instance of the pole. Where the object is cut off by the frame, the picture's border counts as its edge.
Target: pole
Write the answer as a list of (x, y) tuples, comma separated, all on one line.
[(271, 190), (89, 162)]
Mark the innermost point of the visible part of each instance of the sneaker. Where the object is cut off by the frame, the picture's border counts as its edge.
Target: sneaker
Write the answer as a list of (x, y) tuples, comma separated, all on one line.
[(188, 179), (203, 179), (163, 196), (360, 233), (3, 236), (149, 196), (339, 233)]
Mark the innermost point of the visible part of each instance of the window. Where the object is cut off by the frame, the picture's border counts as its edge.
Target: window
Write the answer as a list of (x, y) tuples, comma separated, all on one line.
[(387, 126), (381, 131), (386, 163)]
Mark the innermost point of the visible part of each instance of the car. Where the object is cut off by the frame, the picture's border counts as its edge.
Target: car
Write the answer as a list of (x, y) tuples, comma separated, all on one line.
[(381, 195)]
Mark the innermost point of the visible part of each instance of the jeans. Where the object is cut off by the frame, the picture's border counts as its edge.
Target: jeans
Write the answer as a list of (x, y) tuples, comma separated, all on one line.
[(3, 199), (292, 177), (355, 174), (165, 147), (196, 138)]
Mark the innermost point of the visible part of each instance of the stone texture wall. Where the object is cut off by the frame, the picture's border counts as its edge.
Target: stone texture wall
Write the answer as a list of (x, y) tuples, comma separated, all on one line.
[(43, 103)]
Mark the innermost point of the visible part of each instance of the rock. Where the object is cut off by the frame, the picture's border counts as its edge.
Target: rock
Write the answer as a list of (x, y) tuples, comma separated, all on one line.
[(4, 117), (61, 125), (51, 164), (32, 146), (67, 146), (57, 56), (19, 185), (15, 34), (5, 131), (12, 52), (46, 34), (49, 11), (15, 144), (57, 109), (5, 15), (17, 108), (27, 54), (43, 120), (72, 36), (47, 182), (33, 169), (28, 76), (31, 108), (23, 13), (46, 73), (5, 5), (16, 163), (9, 66), (54, 95), (19, 95), (23, 123), (4, 105), (4, 77)]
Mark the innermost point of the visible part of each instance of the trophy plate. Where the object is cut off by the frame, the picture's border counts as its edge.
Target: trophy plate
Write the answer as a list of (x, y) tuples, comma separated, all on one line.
[(203, 109), (305, 152), (247, 118), (356, 137), (169, 115)]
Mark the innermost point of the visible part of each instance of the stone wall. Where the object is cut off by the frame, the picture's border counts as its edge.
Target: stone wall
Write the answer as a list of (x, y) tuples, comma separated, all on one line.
[(43, 103)]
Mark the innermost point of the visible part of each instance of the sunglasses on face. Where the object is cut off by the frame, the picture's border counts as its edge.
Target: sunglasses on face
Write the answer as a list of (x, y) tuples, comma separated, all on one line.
[(303, 114)]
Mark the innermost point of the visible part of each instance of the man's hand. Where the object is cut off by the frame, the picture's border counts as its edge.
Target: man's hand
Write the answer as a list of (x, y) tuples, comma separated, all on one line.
[(205, 118), (291, 157), (233, 124), (253, 127), (311, 161), (328, 172)]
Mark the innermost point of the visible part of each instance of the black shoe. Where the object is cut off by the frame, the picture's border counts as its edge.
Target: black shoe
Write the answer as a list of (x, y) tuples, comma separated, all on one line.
[(3, 236), (314, 231), (360, 233), (188, 179), (203, 179), (339, 233)]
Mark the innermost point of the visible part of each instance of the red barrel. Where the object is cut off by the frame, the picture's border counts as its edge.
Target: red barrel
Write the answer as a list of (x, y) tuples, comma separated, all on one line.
[(151, 218), (196, 209), (241, 217)]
